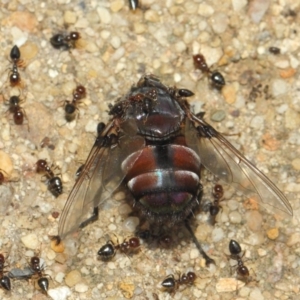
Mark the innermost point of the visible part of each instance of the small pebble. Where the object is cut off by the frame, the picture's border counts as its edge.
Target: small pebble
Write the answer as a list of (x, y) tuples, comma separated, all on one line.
[(256, 295), (235, 217), (225, 285), (293, 239), (229, 93), (131, 223), (287, 73), (6, 196), (254, 220), (30, 241), (70, 17), (217, 234), (104, 15), (81, 287), (29, 51), (218, 115), (72, 278), (59, 277), (279, 87), (296, 163), (60, 293), (273, 233), (257, 9), (5, 164)]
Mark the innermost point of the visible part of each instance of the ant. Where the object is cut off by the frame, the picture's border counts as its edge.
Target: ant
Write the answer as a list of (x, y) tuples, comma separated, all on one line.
[(108, 251), (4, 280), (78, 94), (54, 182), (38, 272), (218, 193), (171, 284), (216, 77), (65, 41), (15, 55), (242, 271), (17, 111), (133, 4)]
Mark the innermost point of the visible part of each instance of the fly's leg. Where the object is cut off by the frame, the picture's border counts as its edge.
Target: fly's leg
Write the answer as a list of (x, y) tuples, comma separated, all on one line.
[(208, 260), (91, 219)]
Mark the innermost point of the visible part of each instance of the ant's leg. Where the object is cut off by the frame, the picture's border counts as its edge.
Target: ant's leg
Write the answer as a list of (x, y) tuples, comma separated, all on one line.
[(91, 219)]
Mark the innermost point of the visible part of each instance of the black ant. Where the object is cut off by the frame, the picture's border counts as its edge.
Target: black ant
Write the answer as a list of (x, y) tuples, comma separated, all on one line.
[(54, 182), (242, 271), (65, 41), (171, 284), (15, 55), (4, 280), (38, 272), (18, 112), (108, 251), (78, 94), (133, 4), (216, 77)]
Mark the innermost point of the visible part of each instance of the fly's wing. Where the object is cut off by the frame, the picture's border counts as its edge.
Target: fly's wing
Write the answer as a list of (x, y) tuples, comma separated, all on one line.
[(225, 161), (100, 177)]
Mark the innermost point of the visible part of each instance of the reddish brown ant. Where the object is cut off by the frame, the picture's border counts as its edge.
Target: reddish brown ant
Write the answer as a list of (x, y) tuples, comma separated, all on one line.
[(217, 79), (171, 284), (70, 106), (242, 271), (4, 280), (18, 112), (108, 251), (65, 41), (54, 182), (218, 194)]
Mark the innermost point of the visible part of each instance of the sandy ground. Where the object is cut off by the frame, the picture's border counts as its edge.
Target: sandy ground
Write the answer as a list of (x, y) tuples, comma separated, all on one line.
[(259, 107)]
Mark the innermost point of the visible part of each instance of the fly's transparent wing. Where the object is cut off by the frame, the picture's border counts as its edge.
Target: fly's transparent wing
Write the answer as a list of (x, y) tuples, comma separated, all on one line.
[(100, 177), (225, 161)]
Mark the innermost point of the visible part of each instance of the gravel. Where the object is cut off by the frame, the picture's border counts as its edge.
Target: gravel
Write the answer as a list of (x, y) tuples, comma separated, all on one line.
[(260, 105)]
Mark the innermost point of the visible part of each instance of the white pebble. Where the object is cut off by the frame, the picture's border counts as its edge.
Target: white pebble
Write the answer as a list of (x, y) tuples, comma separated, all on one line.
[(52, 73), (258, 9), (217, 234), (112, 227), (104, 15), (205, 10), (91, 126), (115, 42), (279, 87), (30, 241), (131, 223), (111, 265), (257, 122), (180, 47), (194, 254), (256, 295), (235, 217), (219, 22), (238, 5), (60, 293), (60, 277), (232, 204), (81, 287)]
